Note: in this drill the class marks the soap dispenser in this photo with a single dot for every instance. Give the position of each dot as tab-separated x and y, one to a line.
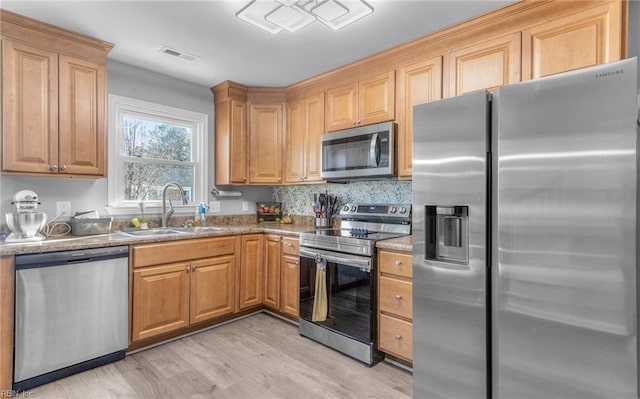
202	209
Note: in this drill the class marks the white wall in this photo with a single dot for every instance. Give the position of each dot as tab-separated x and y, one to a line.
87	194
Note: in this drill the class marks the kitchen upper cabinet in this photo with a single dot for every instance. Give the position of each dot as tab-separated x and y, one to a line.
265	143
251	271
579	40
231	141
305	126
418	83
365	102
487	64
53	100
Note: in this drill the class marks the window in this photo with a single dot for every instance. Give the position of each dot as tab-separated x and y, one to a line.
151	145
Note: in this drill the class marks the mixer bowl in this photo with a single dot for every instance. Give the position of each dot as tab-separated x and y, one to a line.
26	224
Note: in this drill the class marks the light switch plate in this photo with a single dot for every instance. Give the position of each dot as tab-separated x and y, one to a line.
63	208
214	206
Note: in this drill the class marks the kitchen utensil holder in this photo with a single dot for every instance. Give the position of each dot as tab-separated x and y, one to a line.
322	223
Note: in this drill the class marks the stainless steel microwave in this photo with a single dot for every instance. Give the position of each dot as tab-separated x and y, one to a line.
359	153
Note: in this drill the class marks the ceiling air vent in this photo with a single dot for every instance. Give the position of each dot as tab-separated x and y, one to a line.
179	54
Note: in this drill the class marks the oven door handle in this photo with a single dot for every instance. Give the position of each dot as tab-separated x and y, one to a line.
363	263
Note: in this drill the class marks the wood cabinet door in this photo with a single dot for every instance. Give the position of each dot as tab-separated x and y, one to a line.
290	283
272	272
29	109
579	40
238	142
485	65
295	143
265	138
314	129
82	136
160	300
251	280
376	99
417	83
231	142
342	107
212	288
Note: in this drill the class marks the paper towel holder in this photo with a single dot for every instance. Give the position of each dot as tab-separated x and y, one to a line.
221	193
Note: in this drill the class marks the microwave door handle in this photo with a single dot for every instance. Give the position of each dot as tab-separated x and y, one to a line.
373	151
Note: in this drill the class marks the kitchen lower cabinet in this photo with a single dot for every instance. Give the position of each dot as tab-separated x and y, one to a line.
251	290
282	275
169	296
395	304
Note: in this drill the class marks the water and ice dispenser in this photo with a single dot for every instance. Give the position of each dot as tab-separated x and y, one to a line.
447	233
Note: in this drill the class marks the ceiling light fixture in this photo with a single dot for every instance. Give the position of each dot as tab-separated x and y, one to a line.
274	16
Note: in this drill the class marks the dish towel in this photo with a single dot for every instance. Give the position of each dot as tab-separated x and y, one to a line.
320	298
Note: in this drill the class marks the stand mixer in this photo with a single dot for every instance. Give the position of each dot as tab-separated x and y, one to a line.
26	223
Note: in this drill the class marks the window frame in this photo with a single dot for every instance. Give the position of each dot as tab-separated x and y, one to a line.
119	107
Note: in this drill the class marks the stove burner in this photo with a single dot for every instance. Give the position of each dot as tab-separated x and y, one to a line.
359	233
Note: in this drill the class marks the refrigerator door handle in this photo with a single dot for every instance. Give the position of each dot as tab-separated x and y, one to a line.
446	265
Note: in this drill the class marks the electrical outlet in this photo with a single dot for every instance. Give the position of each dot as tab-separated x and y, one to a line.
214	206
63	208
245	206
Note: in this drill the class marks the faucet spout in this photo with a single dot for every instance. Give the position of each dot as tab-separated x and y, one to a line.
166	213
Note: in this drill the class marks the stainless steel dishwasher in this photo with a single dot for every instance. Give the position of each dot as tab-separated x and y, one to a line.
71	313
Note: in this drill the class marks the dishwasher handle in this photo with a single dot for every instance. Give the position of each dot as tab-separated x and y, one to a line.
47	259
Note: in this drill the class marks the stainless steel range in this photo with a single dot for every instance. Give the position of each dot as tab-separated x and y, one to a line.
337	277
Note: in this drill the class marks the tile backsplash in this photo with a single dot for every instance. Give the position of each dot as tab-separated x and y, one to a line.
297	200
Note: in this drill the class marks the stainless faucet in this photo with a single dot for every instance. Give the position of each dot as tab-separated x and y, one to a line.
166	213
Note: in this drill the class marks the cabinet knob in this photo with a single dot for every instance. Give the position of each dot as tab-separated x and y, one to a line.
301	178
398	262
187	269
244	179
398	296
63	168
279	178
289	245
194	267
53	167
353	123
398	337
276	240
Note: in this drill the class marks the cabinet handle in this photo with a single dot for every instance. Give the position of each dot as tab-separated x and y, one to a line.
398	337
398	296
63	168
398	263
53	168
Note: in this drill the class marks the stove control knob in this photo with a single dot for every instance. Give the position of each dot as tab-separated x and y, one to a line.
393	209
345	208
403	210
353	208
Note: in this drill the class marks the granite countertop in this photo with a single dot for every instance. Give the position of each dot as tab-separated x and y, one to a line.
118	238
400	244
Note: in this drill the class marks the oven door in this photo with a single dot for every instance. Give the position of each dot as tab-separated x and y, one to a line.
350	292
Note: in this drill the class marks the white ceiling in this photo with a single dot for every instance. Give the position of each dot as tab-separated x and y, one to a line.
232	49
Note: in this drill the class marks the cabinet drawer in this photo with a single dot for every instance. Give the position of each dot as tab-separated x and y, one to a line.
396	337
395	297
396	263
175	251
290	246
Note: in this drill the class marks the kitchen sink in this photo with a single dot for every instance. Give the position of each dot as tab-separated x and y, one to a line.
152	232
199	229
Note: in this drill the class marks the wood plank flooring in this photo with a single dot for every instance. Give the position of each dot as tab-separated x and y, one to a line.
259	356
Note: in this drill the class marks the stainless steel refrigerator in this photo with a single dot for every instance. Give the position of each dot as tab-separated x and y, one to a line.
525	239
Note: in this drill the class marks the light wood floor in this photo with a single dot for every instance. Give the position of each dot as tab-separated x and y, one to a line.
257	357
